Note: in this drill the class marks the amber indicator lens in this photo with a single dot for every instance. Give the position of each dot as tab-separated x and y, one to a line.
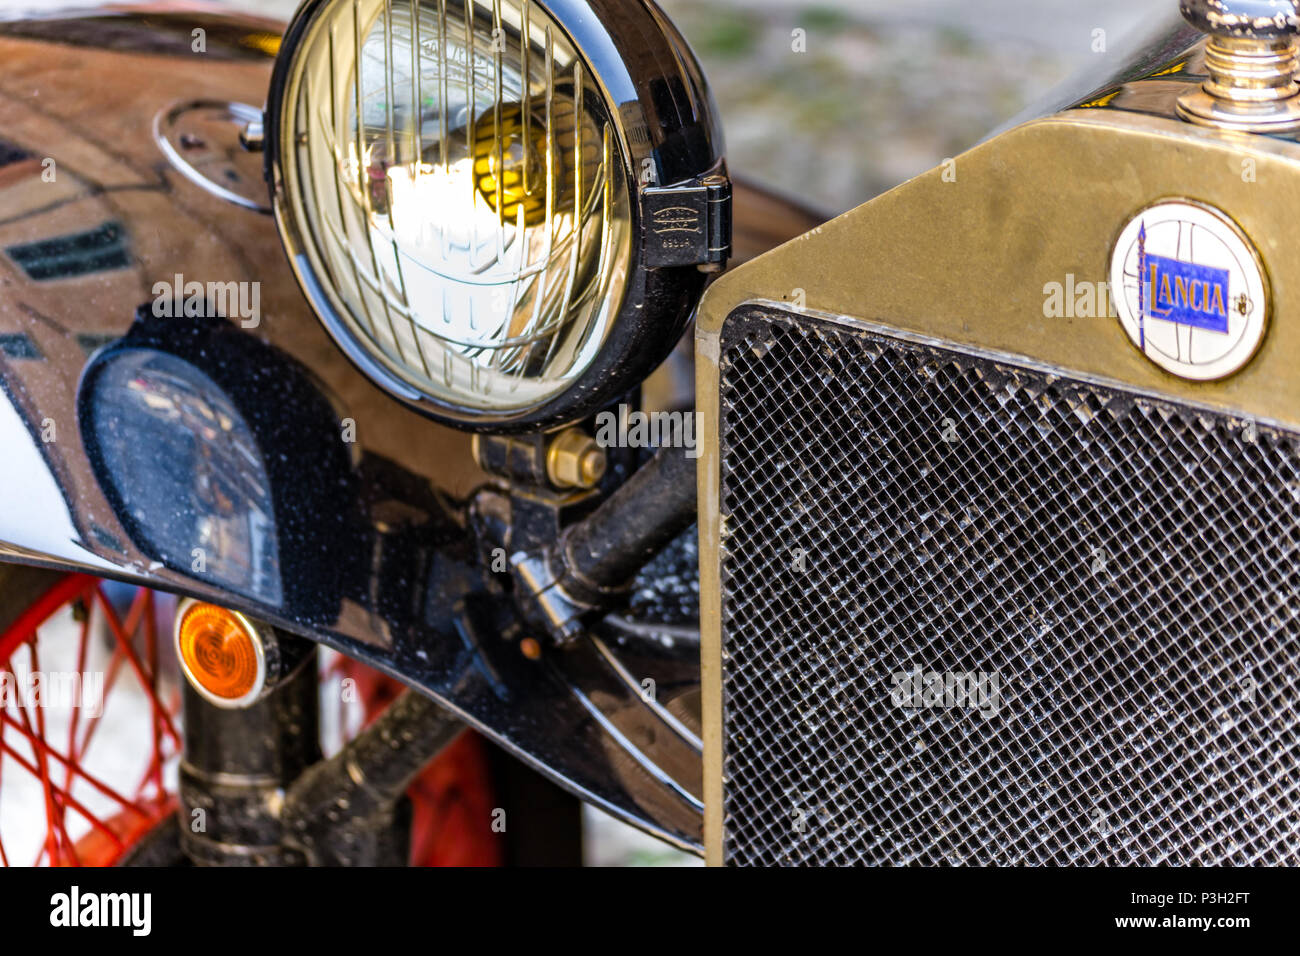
220	653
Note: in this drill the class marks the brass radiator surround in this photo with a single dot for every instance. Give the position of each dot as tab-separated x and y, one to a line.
963	260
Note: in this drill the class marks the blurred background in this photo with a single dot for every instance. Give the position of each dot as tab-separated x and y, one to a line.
880	92
885	88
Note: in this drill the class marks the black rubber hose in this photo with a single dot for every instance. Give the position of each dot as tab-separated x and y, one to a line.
605	550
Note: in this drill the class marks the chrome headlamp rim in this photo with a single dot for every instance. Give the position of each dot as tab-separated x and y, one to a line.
664	120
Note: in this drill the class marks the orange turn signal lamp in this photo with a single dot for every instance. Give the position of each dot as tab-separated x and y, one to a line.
222	653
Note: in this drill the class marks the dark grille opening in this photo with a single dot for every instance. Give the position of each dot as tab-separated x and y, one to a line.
1124	567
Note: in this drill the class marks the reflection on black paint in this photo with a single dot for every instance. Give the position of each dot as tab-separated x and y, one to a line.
188	471
65	257
17	345
225	462
11	153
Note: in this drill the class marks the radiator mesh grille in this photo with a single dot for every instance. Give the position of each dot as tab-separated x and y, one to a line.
1126	568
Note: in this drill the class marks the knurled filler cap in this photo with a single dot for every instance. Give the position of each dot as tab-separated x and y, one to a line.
1251	56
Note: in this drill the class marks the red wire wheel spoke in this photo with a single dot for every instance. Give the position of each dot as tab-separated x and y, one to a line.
97	800
99	782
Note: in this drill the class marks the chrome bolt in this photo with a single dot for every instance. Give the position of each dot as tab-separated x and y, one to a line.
253	137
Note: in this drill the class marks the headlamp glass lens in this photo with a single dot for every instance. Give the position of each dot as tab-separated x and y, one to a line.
457	182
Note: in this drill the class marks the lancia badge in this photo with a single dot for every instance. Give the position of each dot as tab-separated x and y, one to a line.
1190	289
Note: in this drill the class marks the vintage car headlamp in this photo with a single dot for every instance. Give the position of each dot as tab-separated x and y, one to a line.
468	193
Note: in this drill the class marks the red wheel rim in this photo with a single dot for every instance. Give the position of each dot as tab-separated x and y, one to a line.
93	821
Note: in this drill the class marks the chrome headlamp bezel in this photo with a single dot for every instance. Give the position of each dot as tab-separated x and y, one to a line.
665	124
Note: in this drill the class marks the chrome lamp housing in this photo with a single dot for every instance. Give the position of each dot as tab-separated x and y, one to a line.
503	211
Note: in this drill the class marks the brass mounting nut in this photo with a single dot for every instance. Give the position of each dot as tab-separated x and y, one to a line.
575	460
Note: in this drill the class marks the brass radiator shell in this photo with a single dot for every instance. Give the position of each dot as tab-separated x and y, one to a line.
962	261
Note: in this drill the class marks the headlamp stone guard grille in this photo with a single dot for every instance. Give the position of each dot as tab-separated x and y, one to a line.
629	83
1124	566
417	128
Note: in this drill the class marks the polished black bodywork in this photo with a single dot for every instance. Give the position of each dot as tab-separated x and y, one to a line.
319	503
